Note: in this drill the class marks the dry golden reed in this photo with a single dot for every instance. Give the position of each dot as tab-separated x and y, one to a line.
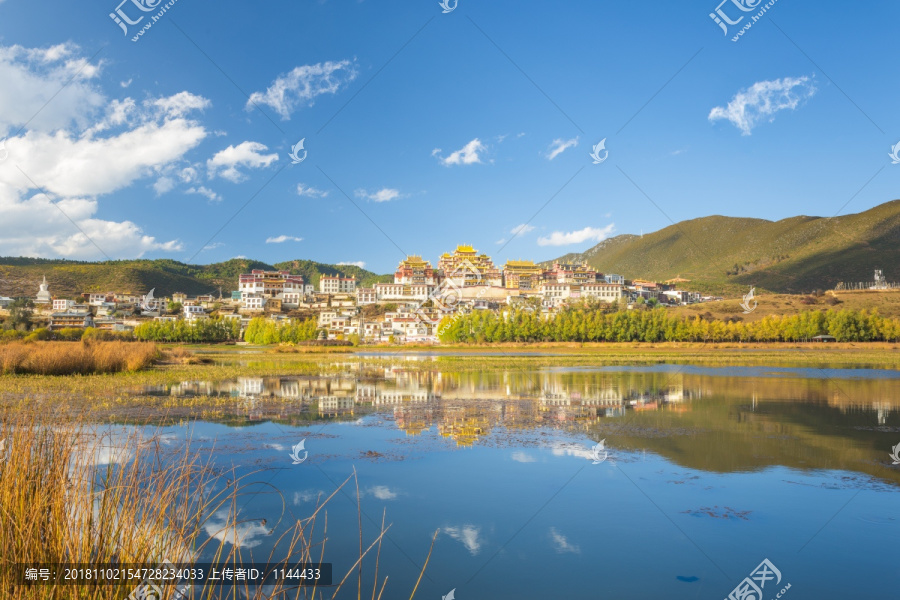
70	358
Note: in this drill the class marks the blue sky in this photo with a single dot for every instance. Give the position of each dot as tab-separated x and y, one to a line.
424	129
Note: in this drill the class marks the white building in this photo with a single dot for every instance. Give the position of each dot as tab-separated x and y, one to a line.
366	296
60	305
329	284
252	302
606	292
613	278
194	312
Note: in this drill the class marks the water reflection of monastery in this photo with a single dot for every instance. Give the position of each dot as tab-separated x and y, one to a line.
463	406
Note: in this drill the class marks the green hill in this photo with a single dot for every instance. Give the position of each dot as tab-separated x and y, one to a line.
728	254
68	278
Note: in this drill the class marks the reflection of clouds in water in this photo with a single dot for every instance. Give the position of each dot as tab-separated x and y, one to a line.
244	534
523	458
278	447
467	535
299	498
382	492
561	543
572	450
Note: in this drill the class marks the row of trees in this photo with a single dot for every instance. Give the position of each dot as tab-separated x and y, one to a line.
215	329
591	324
263	331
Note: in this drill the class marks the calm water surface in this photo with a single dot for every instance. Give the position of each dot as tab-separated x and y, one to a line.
705	473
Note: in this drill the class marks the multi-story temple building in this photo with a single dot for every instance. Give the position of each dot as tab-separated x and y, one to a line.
522	275
415	271
466	267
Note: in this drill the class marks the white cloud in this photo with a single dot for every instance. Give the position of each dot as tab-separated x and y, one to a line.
126	84
225	163
212	246
302	85
163	185
559	146
468	535
522	229
282	239
35	226
33	76
467	155
561	544
69	151
523	458
382	195
360	263
180	104
762	100
204	191
310	192
563	238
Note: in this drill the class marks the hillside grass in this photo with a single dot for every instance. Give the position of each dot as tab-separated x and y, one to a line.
727	255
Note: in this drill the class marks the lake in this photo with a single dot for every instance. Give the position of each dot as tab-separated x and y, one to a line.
703	473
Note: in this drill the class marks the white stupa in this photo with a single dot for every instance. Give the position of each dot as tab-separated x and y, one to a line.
43	296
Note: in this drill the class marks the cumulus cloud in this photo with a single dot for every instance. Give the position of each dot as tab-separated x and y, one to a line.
310	192
567	238
180	104
249	155
78	148
467	155
210	195
303	85
33	225
33	76
382	195
559	146
360	263
762	100
282	239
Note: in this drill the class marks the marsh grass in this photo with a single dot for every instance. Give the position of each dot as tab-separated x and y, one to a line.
69	494
71	358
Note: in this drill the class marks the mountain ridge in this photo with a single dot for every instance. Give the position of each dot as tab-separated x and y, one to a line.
20	276
726	254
